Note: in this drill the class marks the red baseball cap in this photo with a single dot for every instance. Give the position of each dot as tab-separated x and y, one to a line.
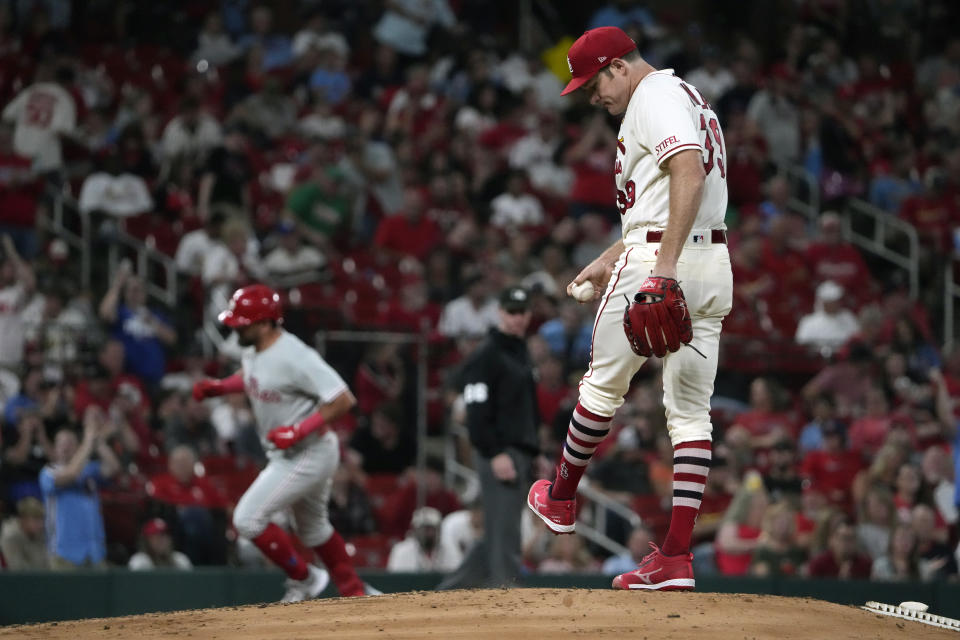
155	526
593	51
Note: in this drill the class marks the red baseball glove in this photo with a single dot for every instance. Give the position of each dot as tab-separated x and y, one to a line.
657	321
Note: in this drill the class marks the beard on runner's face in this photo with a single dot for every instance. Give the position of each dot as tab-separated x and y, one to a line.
247	336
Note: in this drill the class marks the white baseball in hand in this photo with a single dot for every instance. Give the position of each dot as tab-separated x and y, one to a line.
582	292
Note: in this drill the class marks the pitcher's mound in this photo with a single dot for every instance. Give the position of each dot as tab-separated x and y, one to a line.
504	615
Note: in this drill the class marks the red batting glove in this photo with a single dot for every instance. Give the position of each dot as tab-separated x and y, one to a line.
289	435
209	388
206	389
286	436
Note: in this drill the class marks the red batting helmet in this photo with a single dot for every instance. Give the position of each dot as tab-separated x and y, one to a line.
252	304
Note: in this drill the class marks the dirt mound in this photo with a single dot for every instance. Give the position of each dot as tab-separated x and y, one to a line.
504	615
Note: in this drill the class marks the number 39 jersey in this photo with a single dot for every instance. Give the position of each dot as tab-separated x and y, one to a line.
664	117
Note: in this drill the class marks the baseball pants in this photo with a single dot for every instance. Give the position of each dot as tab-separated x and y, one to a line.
299	479
706	278
495	560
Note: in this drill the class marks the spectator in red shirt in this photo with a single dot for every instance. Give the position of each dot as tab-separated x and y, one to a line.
410	232
181	487
552	389
868	433
505	133
93	389
933	212
813	505
414	108
411	308
745	157
841	558
832	258
194	506
784	252
404	502
740	530
446	204
765	420
847	380
590	158
832	469
106	378
754	285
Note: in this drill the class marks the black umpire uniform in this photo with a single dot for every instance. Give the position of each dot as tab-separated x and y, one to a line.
500	395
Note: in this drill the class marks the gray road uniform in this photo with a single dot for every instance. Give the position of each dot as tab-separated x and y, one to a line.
286	383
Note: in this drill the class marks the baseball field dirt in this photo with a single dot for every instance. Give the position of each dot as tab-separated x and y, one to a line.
505	615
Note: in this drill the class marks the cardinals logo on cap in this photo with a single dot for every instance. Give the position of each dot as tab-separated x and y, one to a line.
570	65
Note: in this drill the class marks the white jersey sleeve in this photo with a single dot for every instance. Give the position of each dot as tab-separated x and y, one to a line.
318	378
12	111
664	123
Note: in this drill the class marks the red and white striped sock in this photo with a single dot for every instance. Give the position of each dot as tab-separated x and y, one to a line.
691	464
586	431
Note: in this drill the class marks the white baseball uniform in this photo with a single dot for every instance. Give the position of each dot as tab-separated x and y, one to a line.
664	116
285	383
42	112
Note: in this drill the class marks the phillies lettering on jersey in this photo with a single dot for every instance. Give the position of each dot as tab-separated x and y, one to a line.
664	117
287	382
254	390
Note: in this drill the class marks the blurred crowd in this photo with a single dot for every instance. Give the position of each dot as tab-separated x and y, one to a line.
393	165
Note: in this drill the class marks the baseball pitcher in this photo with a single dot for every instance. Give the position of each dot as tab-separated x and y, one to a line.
294	394
672	196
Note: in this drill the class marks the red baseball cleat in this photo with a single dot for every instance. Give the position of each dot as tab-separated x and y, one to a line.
657	572
559	515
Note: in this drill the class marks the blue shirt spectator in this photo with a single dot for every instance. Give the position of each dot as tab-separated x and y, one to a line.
638	545
13	408
143	332
889	191
406	24
811	438
74	524
334	84
26	399
277	48
615	565
568	336
145	356
234	14
621	14
69	484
